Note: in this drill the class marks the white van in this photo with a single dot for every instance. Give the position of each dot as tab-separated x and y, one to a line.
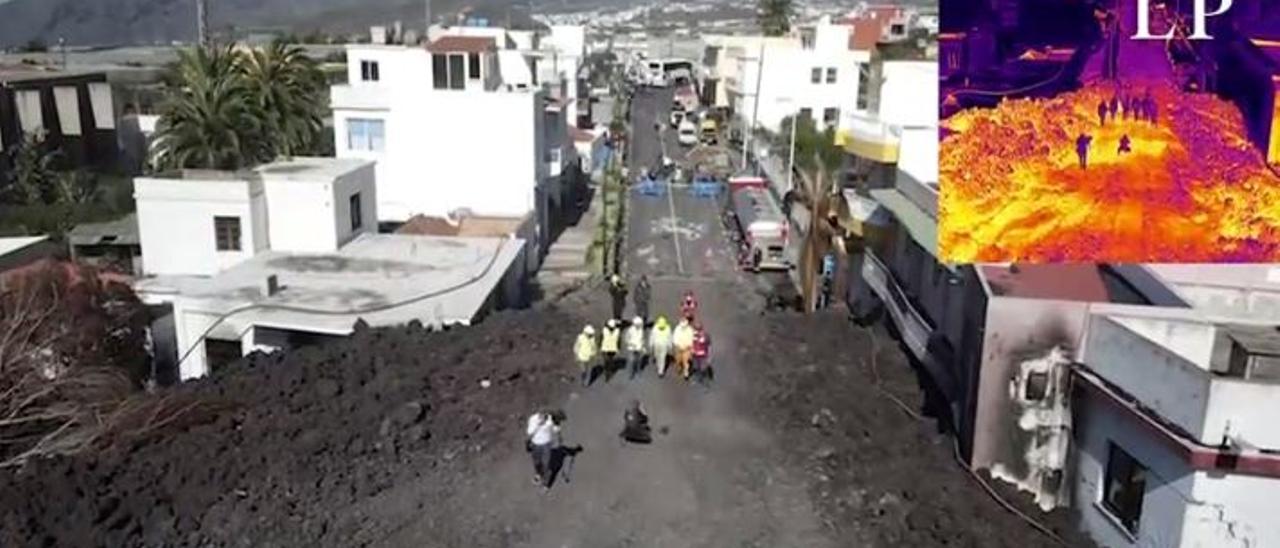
687	135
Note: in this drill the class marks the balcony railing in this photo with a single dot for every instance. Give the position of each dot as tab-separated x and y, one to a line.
913	327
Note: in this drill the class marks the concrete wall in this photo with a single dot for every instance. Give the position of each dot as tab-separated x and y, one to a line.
1131	362
1231	511
313	215
1169	481
360	182
175	224
1246	409
1017	331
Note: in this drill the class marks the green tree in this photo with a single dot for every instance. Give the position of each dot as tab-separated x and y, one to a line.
289	90
775	16
814	149
230	109
209	120
32	179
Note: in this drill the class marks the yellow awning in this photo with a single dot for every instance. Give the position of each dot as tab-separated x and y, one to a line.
880	151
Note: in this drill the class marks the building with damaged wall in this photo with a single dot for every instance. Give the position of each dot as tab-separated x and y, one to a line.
1174	428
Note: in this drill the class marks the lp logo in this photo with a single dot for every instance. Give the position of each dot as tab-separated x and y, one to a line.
1201	15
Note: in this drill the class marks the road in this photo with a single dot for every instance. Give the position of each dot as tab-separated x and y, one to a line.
712	476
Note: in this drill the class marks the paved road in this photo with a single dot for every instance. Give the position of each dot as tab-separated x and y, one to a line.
711	477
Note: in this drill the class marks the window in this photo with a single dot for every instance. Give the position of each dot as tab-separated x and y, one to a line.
831	75
226	233
1125	485
440	72
806	114
357	220
830	116
366	134
457	74
473	66
1036	386
369	71
897	29
864	86
816	76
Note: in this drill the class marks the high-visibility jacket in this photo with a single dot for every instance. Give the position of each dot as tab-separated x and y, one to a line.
585	347
683	337
660	338
634	339
609	340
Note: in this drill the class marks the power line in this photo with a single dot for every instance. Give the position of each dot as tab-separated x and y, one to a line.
360	311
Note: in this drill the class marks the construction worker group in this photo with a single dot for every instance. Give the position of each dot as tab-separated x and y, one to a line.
643	341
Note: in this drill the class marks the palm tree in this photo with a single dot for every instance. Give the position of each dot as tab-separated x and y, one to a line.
288	88
818	159
775	16
209	120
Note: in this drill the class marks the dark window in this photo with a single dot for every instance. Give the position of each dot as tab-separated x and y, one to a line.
1037	386
226	231
1126	484
830	116
897	29
806	114
864	86
440	71
816	75
457	72
356	220
831	75
369	71
219	353
473	65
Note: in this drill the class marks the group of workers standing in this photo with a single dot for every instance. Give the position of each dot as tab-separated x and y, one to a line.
1121	106
686	343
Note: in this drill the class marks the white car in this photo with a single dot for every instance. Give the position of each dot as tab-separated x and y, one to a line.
687	135
677	117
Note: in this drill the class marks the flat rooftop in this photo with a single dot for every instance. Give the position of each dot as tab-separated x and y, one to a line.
1229	276
12	244
294	169
385	279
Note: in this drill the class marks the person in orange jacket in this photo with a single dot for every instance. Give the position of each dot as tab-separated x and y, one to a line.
701	354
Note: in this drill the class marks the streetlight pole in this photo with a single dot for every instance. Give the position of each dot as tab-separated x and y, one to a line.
791	157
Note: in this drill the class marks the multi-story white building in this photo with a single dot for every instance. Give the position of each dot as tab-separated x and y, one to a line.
816	72
897	136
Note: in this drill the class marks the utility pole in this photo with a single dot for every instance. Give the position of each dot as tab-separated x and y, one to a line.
427	28
755	107
202	23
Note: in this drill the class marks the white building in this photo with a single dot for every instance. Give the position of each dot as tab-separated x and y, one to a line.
288	254
898	134
815	73
458	125
1176	441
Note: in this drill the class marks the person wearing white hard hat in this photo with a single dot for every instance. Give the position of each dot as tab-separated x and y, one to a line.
584	351
610	337
633	342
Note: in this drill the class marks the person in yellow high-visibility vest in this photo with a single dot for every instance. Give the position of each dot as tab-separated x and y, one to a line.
584	351
610	338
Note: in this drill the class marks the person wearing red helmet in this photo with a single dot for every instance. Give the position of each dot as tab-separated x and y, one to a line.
689	306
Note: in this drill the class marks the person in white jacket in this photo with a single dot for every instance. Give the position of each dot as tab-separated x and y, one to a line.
633	343
542	439
660	344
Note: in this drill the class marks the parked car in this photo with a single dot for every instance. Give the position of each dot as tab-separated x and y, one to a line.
709	132
688	133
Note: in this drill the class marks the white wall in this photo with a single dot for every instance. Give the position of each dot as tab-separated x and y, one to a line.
1247	409
360	182
1134	363
1169	481
311	214
448	149
175	224
1232	511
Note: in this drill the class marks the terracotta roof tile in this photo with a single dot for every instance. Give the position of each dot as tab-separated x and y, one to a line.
462	44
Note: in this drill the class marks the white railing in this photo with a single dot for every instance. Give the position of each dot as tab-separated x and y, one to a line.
869	127
914	329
